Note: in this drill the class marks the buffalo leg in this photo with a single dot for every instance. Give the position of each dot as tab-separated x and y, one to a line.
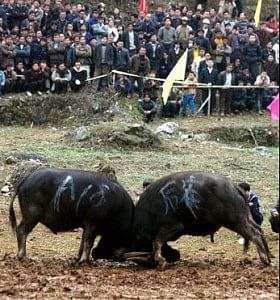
81	246
258	228
22	232
253	234
166	234
88	238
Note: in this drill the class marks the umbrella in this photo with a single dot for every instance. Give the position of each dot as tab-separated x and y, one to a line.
273	107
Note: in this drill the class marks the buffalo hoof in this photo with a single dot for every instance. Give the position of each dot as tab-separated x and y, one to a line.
171	255
162	266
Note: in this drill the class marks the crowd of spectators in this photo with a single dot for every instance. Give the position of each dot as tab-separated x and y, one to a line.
55	47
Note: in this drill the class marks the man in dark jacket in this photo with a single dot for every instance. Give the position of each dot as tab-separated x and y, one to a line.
140	65
121	61
78	77
209	76
227	79
103	60
253	202
274	217
69	53
154	52
253	56
56	51
19	14
34	80
22	52
147	108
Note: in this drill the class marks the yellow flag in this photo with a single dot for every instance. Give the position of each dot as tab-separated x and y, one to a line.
258	12
177	73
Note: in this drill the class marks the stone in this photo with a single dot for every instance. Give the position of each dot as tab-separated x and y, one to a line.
201	137
80	134
170	128
134	135
10	160
5	189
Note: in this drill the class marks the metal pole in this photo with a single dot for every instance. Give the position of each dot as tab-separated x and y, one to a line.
209	102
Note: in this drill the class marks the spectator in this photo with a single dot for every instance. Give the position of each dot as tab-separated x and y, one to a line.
151	87
78	77
61	78
56	51
252	55
239	99
262	81
272	69
112	30
197	61
154	52
19	13
100	29
189	94
165	66
226	79
253	202
2	82
171	108
46	76
11	77
176	53
8	51
183	31
121	60
34	80
140	65
147	108
167	35
131	40
69	53
84	55
103	60
62	22
209	76
201	41
23	52
274	217
123	86
20	74
148	27
268	51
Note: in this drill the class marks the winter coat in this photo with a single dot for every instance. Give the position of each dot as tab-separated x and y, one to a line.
135	65
252	53
109	55
84	54
8	55
23	54
56	53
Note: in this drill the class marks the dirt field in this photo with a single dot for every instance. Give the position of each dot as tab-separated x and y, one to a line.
206	271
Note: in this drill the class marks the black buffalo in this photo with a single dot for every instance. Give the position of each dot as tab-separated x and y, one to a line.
192	203
64	199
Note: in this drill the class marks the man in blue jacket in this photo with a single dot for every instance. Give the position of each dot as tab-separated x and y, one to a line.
253	202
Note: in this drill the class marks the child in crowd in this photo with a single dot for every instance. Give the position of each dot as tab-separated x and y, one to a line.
189	94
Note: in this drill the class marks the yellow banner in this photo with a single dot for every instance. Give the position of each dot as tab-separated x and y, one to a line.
258	12
177	73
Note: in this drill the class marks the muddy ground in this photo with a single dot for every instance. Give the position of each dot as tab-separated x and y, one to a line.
206	271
